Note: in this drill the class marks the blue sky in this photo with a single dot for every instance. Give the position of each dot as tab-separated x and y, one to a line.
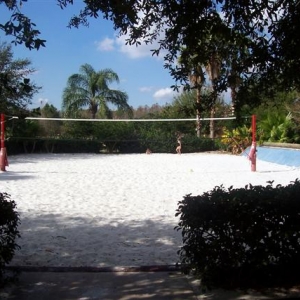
142	76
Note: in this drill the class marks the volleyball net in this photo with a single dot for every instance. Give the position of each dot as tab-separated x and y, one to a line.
127	120
73	135
38	134
113	130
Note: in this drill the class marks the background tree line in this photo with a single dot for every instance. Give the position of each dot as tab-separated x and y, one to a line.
25	135
87	94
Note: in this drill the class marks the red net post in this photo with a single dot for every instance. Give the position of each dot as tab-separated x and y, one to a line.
253	146
3	155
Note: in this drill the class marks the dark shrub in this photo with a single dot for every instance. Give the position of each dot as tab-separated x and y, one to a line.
242	237
192	143
9	221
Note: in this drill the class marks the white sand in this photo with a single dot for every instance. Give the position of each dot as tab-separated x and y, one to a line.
115	210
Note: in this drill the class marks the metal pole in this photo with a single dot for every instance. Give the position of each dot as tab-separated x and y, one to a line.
2	130
3	158
253	147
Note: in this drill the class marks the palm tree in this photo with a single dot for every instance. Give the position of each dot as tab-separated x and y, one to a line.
196	78
91	88
213	69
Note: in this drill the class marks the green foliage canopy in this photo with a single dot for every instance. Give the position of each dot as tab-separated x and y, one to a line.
16	89
267	29
20	26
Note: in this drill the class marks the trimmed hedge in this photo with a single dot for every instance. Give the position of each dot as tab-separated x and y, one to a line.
242	237
164	143
9	221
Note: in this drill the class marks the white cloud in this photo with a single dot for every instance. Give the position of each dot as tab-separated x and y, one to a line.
142	50
106	44
133	51
119	43
164	94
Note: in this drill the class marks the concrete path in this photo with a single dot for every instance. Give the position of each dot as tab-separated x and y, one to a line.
100	285
162	285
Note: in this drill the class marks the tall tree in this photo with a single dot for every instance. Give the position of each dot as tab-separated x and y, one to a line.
196	75
16	89
91	89
197	80
213	69
174	24
210	49
285	43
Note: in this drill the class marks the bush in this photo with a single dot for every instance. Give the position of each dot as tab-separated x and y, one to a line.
242	237
9	221
237	140
192	143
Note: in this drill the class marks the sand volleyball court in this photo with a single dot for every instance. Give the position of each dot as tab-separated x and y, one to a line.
88	210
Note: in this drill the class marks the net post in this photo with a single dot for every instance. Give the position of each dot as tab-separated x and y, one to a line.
3	154
252	154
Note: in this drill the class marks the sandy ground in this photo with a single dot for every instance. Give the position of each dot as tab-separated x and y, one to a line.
115	210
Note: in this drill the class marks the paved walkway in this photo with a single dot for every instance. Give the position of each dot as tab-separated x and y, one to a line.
161	285
100	285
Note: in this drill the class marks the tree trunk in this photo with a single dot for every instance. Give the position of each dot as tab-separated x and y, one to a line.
93	109
212	113
197	79
212	123
233	100
198	116
213	69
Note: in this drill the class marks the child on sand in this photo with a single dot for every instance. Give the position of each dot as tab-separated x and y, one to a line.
178	148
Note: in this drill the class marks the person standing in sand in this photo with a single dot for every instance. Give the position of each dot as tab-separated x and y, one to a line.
178	148
148	151
179	136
